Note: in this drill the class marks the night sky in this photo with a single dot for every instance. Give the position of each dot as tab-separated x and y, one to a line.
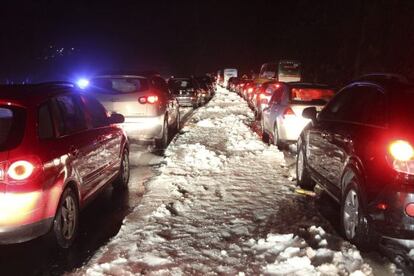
335	40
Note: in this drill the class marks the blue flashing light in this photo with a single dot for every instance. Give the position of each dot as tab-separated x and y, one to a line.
83	83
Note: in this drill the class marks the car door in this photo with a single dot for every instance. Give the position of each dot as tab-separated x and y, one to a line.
363	118
81	144
321	152
171	103
109	137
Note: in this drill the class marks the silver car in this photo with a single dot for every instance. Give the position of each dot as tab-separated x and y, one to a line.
282	120
185	91
150	110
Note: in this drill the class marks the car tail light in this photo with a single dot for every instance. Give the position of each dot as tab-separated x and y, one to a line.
403	156
262	96
409	209
20	170
288	113
250	90
148	99
2	170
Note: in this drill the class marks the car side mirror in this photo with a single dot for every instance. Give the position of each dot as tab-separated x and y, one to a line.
116	118
310	113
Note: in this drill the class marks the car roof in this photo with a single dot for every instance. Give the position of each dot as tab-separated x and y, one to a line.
32	94
306	84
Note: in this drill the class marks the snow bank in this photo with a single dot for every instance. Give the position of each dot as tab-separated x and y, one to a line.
223	203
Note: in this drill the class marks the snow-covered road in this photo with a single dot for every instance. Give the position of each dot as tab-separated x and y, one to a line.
224	203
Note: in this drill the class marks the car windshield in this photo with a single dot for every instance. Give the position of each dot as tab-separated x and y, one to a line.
119	85
11	126
311	95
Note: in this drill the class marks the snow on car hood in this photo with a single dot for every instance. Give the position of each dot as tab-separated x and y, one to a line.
224	202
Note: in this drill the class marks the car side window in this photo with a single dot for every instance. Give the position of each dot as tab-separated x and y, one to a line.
67	114
95	113
362	104
45	124
336	109
369	107
277	95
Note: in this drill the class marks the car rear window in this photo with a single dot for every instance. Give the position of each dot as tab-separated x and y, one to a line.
119	85
311	95
12	125
177	85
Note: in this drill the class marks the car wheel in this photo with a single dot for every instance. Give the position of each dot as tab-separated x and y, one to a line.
123	178
178	123
354	223
65	224
276	140
303	179
265	136
163	141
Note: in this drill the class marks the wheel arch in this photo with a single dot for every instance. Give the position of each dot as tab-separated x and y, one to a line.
354	167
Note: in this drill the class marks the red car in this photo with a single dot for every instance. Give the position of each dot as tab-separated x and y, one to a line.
58	149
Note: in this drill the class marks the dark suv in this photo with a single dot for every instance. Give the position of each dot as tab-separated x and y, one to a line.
58	149
360	149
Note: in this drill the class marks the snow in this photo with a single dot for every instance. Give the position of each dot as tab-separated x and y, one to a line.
223	203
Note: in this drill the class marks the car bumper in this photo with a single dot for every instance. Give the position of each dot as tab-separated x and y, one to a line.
17	234
393	222
291	127
188	102
144	128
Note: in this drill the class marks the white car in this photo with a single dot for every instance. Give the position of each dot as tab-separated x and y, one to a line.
282	120
151	112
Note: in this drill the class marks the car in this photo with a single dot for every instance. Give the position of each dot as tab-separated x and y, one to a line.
184	91
360	150
240	85
151	111
207	83
59	149
248	88
282	120
231	83
263	96
203	91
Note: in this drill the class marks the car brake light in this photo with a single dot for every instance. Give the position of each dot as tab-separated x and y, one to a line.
409	209
262	96
401	150
20	170
152	99
1	172
148	99
250	90
288	112
403	154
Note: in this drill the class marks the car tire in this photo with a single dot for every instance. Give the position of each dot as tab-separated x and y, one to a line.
66	221
265	136
178	123
276	140
303	178
122	180
162	143
354	224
